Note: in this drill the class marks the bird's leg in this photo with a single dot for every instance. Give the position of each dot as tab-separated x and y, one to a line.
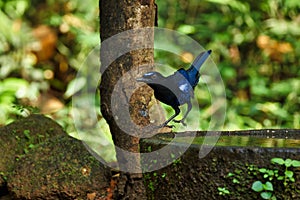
189	108
165	124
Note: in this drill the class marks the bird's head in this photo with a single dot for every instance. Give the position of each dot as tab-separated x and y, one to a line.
150	77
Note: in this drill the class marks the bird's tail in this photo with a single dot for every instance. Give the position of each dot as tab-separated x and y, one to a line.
193	71
200	59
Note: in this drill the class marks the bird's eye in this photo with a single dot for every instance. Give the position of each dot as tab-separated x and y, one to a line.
154	76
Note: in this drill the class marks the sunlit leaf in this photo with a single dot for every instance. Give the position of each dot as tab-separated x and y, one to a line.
187	29
279	161
75	86
257	186
296	163
268	186
266	195
289	173
288	162
280	27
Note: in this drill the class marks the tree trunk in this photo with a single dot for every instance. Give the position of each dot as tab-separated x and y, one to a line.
118	88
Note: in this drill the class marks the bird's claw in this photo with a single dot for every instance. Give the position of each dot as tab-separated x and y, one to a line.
166	125
180	121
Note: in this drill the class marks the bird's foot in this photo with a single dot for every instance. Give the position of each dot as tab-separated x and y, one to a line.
165	125
180	121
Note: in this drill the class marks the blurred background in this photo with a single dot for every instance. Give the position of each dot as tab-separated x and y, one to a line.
256	46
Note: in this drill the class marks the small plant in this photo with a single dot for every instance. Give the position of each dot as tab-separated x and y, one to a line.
265	189
2	174
252	169
151	184
30	141
288	174
149	148
24	110
234	178
176	161
223	191
269	173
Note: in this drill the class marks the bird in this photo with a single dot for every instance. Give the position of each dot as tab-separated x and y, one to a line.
177	89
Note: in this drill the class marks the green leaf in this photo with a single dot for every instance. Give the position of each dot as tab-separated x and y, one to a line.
14	84
295	163
244	8
26	150
282	27
235	181
280	178
292	179
186	29
262	170
257	186
282	88
273	198
223	190
289	173
75	86
27	134
266	195
230	174
268	186
271	172
279	161
288	162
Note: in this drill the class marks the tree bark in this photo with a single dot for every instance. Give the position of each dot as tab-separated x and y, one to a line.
117	16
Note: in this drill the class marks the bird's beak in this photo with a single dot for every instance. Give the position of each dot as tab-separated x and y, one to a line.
141	79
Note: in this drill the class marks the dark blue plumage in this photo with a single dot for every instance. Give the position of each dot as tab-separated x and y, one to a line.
178	88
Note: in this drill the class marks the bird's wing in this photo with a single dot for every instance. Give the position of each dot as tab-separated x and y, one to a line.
182	86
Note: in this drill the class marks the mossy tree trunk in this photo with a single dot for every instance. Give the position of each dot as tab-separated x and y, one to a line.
117	16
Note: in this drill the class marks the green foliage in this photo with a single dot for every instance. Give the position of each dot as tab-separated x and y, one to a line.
265	189
152	180
268	182
288	174
76	26
262	84
223	191
268	173
255	46
30	141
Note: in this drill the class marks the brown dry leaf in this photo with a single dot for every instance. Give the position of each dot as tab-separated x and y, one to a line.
273	48
91	196
47	103
234	54
47	38
187	57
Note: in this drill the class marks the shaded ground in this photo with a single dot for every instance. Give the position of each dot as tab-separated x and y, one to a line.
233	169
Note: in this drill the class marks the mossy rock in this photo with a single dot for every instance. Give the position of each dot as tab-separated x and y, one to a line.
19	137
60	168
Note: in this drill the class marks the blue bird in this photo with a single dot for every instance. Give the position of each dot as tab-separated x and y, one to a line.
176	89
